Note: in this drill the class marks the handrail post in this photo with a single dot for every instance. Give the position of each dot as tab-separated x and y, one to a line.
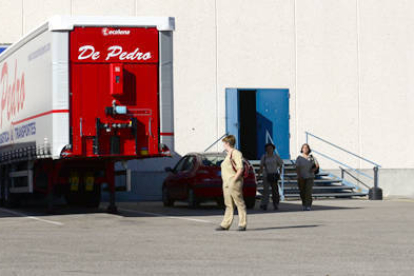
375	193
375	177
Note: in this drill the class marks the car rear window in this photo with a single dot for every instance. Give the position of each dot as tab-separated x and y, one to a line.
212	161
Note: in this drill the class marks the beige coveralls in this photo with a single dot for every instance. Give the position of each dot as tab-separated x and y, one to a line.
233	191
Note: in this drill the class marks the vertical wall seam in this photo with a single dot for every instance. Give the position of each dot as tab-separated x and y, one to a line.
296	79
217	68
358	82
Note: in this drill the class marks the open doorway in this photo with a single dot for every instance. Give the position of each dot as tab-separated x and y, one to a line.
248	124
257	117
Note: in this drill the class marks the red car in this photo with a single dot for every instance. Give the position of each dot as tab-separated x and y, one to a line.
197	178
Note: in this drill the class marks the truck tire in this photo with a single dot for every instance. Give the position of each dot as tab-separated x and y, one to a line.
8	199
2	184
93	199
166	200
72	199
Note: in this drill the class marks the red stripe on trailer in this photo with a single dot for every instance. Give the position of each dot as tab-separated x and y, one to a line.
41	115
167	133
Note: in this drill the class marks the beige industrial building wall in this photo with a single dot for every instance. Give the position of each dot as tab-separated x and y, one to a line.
349	66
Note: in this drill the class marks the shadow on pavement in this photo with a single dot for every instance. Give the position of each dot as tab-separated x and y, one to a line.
156	209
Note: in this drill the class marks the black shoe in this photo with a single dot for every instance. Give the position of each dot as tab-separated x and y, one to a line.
263	207
276	207
241	228
221	229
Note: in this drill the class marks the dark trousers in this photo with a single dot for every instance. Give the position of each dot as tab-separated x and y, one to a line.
275	192
305	190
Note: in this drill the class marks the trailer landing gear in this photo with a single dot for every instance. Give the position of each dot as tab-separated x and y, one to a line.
110	170
52	178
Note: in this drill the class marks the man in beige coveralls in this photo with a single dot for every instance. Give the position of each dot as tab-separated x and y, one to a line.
231	173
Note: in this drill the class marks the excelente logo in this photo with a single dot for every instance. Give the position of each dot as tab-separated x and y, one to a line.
107	31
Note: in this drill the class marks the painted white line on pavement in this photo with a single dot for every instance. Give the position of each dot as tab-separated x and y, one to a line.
30	217
165	216
404	200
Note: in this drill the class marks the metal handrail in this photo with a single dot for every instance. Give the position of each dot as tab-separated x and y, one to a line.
338	147
376	165
343	164
343	171
215	142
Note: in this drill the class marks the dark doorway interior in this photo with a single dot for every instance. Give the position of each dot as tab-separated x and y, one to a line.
247	121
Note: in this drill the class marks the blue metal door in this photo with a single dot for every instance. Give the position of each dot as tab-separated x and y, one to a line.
232	113
272	113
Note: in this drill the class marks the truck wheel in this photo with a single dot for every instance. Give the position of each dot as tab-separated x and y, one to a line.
166	200
250	202
93	199
2	186
10	200
192	199
72	199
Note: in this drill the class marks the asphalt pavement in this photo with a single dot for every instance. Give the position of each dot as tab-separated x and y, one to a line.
339	237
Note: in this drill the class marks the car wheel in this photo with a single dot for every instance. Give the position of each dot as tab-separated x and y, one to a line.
192	200
166	200
250	202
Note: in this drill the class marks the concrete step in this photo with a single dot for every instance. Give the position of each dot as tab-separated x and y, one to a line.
336	188
333	187
324	186
317	182
329	195
294	175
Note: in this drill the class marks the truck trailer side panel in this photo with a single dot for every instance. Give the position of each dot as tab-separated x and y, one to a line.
27	99
78	94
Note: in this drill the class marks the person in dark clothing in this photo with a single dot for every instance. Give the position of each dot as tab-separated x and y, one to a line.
270	168
306	166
